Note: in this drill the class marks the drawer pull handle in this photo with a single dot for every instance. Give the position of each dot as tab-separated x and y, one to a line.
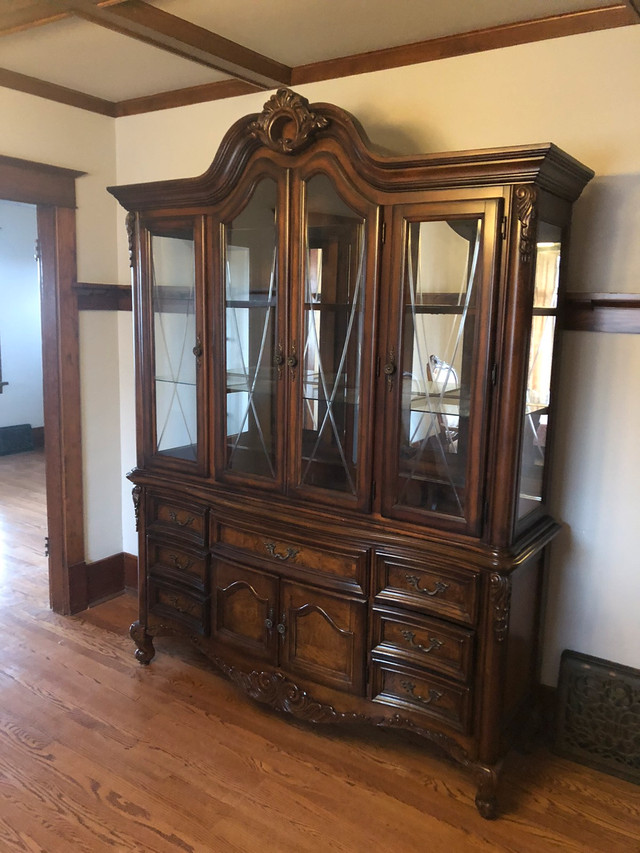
173	516
434	642
434	695
439	587
289	554
184	565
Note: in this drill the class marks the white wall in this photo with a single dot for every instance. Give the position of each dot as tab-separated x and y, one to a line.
581	93
39	130
20	331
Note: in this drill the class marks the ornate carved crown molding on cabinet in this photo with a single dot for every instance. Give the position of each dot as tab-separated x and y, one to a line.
345	370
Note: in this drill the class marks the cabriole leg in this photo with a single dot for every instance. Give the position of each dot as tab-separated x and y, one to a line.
486	794
145	650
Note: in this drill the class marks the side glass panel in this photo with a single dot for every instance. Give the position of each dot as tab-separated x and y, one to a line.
334	270
543	327
250	252
174	334
442	268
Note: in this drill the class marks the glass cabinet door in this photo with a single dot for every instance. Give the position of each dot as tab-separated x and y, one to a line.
541	350
435	372
254	349
329	327
175	338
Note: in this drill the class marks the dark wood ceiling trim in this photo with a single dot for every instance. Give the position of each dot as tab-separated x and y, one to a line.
37	183
473	42
185	97
153	26
602	312
38	13
634	6
53	92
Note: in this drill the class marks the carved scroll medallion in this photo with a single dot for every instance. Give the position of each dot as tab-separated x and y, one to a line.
526	198
286	123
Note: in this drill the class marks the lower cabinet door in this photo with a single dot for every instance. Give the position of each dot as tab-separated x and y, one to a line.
245	609
322	636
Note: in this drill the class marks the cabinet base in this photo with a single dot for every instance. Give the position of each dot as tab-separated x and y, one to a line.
273	688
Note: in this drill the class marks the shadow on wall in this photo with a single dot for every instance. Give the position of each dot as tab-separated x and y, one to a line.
604	256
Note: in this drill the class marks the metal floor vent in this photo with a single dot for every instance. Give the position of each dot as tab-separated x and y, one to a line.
598	719
15	439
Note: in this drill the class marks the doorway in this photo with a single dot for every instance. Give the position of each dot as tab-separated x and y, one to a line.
52	190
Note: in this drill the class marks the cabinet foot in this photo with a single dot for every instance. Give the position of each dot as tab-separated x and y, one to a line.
145	651
486	793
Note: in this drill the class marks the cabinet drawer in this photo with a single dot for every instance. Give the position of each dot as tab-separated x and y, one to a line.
179	518
178	562
168	600
446	592
412	690
419	641
348	567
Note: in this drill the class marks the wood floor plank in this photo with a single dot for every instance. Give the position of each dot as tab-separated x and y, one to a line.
100	754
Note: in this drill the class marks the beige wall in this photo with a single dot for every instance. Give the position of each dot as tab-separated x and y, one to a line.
581	93
39	130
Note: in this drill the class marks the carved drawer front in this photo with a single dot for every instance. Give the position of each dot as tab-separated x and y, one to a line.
420	641
246	610
178	563
170	601
412	690
446	592
346	568
323	637
179	518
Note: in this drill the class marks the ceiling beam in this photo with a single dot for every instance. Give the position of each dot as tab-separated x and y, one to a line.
153	26
634	5
476	41
40	12
53	92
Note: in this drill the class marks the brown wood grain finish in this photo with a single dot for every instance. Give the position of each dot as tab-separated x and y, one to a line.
348	596
81	773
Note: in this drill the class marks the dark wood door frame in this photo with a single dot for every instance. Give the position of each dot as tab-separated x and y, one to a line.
52	189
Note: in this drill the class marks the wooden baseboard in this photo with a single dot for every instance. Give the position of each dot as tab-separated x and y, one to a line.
38	437
130	572
91	583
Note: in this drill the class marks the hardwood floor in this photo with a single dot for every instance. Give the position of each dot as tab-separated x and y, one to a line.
100	754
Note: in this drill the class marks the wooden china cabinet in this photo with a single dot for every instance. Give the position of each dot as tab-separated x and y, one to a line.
344	377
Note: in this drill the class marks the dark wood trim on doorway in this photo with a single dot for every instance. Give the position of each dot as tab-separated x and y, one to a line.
52	189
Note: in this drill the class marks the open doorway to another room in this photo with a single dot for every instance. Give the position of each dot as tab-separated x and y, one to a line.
23	503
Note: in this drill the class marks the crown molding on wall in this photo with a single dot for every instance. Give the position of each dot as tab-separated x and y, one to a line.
53	92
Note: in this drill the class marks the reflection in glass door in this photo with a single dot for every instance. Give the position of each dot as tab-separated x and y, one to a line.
334	273
253	359
442	267
541	346
175	338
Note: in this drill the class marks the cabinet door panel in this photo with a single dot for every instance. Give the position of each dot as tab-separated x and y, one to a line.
330	343
324	636
245	607
253	341
173	263
437	368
